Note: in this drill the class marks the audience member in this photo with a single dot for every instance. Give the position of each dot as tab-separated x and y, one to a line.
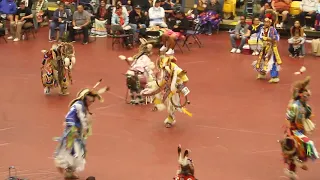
281	7
239	33
138	21
9	8
2	29
124	9
176	31
167	6
120	23
102	13
81	21
144	4
60	18
157	15
308	8
214	14
253	30
39	10
264	4
265	7
102	18
129	6
201	6
296	42
214	5
177	6
23	19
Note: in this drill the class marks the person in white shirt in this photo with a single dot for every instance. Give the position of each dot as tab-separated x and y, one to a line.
308	8
157	15
124	9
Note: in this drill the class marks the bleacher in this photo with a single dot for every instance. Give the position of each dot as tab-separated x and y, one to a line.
230	8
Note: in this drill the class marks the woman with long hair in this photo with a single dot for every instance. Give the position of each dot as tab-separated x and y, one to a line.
296	42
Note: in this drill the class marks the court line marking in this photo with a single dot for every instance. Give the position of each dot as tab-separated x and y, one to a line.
193	62
266	151
236	130
4	144
5	129
109	106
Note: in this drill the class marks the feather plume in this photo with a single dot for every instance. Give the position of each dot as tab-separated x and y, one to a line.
44	51
122	57
102	90
300	86
130	59
97	84
301	71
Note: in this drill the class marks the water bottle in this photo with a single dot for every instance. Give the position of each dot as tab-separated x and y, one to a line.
23	37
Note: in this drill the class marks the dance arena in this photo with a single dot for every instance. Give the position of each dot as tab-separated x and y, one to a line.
232	134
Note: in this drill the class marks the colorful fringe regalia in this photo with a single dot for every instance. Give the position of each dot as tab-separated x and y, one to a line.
70	155
56	67
269	59
186	166
169	89
212	17
297	148
140	71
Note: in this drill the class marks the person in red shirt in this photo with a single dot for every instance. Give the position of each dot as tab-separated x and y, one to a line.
281	7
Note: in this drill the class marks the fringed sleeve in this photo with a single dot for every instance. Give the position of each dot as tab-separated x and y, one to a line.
291	112
82	116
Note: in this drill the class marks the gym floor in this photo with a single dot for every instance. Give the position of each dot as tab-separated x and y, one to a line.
233	133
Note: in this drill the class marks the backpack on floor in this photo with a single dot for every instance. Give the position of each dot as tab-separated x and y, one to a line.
316	47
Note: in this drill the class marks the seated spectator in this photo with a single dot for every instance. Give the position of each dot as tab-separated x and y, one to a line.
240	32
317	23
138	21
308	8
253	30
102	13
101	20
2	29
157	15
81	21
124	9
281	7
265	4
60	18
9	8
296	42
23	19
128	6
212	16
265	9
169	37
39	11
201	6
144	4
177	6
167	6
120	23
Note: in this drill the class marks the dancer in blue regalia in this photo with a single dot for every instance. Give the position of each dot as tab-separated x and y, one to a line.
70	156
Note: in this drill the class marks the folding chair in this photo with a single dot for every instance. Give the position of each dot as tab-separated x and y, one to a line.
194	32
27	31
179	46
79	31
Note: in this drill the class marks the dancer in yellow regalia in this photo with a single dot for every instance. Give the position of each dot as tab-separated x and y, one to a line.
169	88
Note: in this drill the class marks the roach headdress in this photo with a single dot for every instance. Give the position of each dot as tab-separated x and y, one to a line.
90	92
300	87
